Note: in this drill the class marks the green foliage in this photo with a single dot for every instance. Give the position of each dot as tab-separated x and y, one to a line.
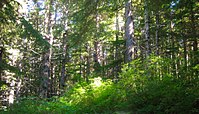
149	92
29	30
98	96
32	105
166	83
8	11
162	96
137	92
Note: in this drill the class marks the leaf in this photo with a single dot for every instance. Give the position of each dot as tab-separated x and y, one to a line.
34	33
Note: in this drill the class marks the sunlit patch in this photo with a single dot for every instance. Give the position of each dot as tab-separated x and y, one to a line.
14	54
97	82
23	6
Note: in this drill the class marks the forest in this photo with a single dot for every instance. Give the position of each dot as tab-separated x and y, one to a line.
99	57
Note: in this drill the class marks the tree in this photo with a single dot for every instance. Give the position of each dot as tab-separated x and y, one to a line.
61	43
129	32
147	27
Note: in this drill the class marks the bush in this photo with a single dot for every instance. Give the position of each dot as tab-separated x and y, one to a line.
33	105
140	90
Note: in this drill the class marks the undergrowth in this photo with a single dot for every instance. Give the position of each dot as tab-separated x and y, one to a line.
139	90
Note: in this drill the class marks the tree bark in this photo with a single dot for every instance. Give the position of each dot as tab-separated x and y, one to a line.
64	61
88	71
194	35
47	55
65	47
147	27
117	46
157	33
96	55
129	32
1	60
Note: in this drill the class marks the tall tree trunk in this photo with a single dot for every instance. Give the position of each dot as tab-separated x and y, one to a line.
80	62
1	60
157	32
64	61
53	63
185	52
117	46
103	61
47	55
129	32
97	43
147	35
88	61
194	36
65	47
173	55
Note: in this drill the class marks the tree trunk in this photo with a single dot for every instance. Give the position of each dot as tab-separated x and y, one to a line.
173	55
65	48
63	69
47	55
88	61
64	61
147	35
80	63
129	32
157	33
117	46
194	36
96	55
1	60
185	52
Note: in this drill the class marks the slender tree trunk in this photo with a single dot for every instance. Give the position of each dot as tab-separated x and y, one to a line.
96	44
53	63
88	61
65	48
193	24
64	61
116	47
103	61
157	33
63	73
185	52
129	32
1	60
80	62
195	59
173	57
194	36
147	35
